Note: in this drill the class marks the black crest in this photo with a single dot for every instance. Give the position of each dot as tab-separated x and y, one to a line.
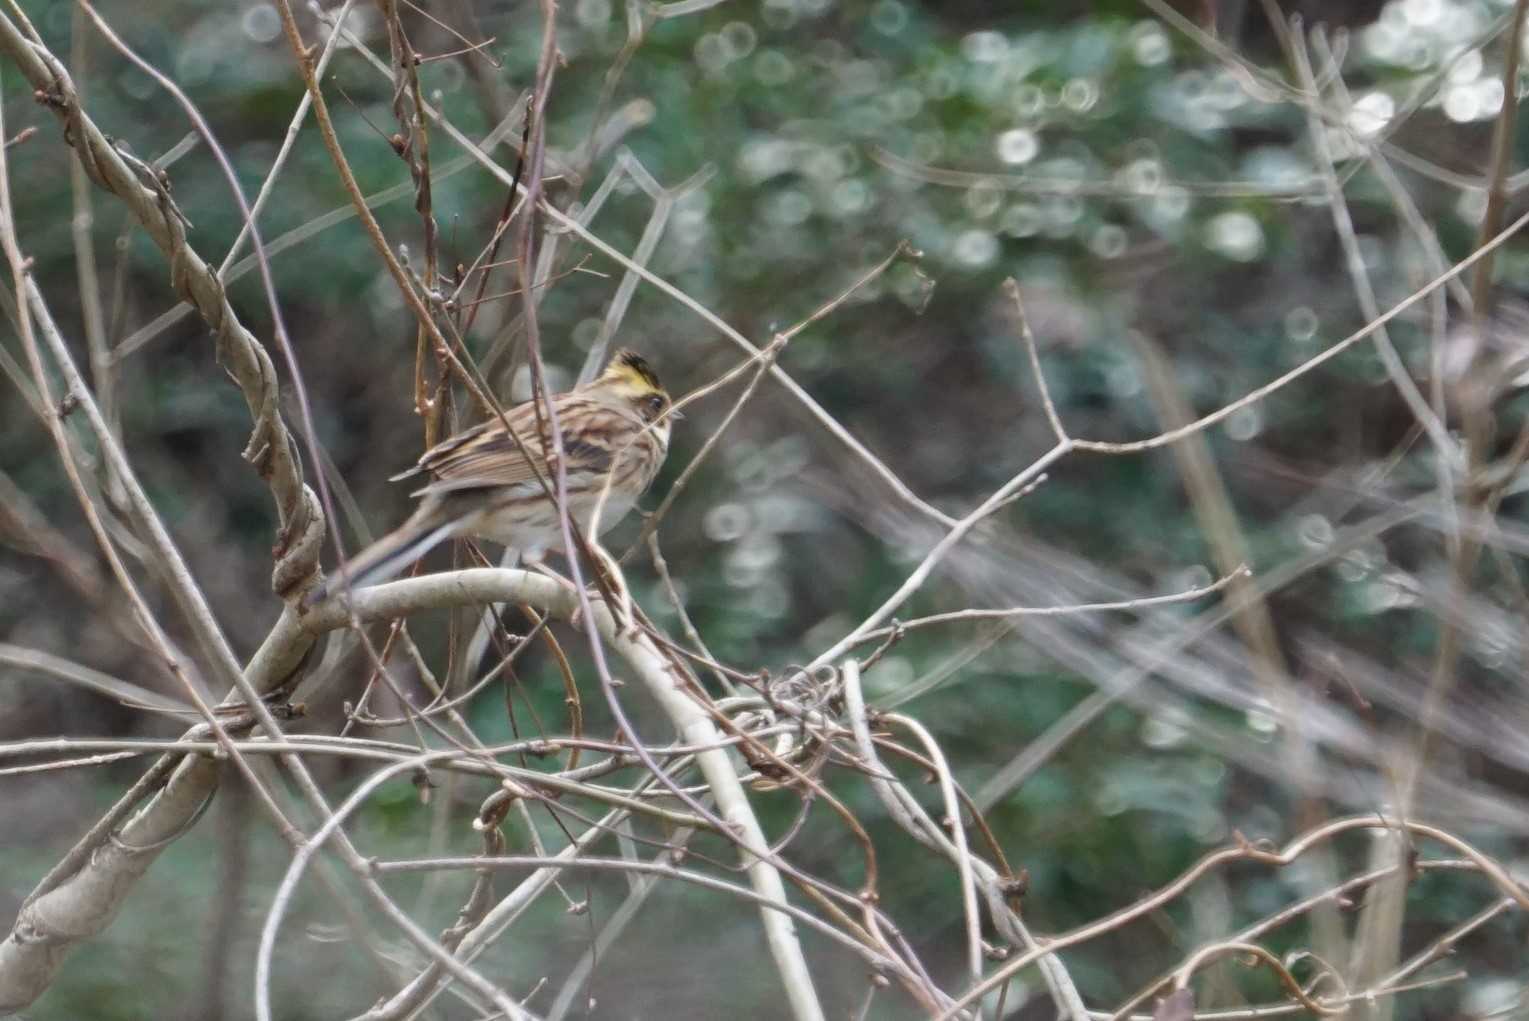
629	363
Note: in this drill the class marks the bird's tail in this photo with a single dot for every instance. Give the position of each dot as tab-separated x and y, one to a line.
388	555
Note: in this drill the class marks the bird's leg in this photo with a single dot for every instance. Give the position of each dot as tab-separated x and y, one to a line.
621	613
626	621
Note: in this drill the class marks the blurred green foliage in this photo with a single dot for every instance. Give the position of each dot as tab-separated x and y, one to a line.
1089	134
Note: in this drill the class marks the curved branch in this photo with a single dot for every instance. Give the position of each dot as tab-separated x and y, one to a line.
690	719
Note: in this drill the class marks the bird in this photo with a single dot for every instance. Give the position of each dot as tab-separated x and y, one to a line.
485	483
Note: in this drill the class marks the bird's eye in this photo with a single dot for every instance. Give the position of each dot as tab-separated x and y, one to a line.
655	404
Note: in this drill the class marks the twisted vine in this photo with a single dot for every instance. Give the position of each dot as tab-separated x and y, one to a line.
146	192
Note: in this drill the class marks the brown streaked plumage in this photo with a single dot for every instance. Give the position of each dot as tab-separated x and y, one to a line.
615	433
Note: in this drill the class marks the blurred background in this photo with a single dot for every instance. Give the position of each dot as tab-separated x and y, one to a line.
1148	176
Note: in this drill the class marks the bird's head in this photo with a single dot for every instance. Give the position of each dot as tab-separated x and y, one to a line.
630	380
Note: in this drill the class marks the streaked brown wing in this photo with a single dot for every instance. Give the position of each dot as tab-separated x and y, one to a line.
489	459
447	447
486	456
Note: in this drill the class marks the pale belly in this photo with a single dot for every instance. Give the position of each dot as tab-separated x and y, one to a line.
536	529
